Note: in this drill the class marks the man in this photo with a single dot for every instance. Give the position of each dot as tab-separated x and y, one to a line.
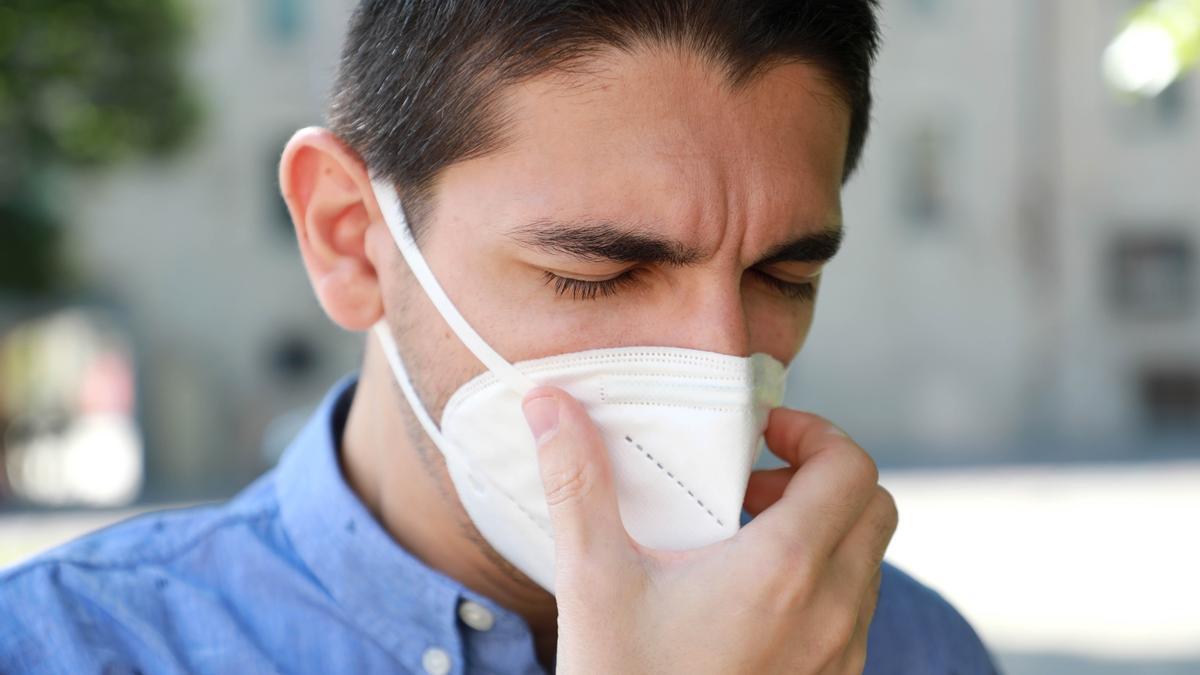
580	178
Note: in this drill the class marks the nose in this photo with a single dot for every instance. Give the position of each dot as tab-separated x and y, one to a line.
710	317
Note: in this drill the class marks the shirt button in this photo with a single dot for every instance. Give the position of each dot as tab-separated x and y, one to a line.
435	661
476	616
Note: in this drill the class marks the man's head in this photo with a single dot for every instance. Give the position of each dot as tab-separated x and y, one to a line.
584	174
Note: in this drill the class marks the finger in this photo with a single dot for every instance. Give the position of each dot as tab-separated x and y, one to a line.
765	488
822	501
795	436
854	659
861	553
576	476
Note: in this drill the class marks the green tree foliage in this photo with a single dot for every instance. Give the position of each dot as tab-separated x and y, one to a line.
83	84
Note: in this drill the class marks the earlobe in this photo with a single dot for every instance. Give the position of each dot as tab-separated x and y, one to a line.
327	190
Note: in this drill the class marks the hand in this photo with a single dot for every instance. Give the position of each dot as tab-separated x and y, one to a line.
794	591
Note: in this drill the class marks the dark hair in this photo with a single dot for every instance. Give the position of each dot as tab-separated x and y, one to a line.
417	85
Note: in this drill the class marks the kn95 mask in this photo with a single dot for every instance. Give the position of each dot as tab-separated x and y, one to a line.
682	427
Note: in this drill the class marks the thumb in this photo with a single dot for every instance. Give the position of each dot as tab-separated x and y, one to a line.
576	476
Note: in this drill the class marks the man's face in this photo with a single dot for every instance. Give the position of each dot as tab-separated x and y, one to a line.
644	203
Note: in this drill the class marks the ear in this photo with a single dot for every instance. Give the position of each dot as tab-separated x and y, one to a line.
328	193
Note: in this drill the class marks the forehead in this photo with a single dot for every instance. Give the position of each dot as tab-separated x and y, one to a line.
662	136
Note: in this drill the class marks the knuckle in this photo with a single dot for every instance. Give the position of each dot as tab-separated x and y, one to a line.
800	577
830	637
881	518
839	630
853	463
568	485
861	466
889	515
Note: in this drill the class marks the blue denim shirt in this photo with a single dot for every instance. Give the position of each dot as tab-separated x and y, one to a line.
294	575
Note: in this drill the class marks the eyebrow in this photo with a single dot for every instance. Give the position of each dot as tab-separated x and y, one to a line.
603	240
817	247
610	241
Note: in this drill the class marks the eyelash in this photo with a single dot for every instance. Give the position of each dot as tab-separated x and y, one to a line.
589	290
804	291
579	289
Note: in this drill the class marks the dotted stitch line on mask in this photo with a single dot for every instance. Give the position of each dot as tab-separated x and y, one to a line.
643	357
686	406
718	383
688	387
670	475
606	399
727	375
727	362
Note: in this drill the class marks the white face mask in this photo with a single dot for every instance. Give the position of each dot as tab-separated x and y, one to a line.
682	427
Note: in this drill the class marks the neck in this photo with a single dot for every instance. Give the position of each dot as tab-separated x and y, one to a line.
401	477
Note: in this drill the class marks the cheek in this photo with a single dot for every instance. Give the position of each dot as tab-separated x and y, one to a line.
436	359
509	305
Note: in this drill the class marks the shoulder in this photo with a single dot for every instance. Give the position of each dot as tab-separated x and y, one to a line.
916	631
156	538
116	596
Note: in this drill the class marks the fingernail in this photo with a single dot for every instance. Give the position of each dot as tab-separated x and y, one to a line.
542	415
837	431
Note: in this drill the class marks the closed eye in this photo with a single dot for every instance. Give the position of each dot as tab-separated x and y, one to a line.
805	291
581	289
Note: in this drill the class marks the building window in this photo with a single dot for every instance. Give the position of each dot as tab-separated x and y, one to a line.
1170	396
923	175
1153	275
284	20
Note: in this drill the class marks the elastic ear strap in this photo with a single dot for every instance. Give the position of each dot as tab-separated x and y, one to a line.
393	215
384	334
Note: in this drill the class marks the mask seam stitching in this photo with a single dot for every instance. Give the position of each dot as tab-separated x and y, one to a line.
717	386
493	486
488	379
728	374
678	482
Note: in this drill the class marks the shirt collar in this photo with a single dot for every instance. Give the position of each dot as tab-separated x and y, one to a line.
401	603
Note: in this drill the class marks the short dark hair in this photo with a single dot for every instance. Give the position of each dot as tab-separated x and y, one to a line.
416	89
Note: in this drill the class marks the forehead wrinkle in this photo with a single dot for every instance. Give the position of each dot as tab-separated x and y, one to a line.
712	178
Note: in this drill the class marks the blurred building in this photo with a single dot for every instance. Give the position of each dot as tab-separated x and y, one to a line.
1021	277
1128	247
199	254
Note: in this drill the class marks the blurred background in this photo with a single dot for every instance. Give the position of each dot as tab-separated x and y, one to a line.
1013	328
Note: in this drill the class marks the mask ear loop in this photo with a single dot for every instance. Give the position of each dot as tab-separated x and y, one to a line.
384	335
393	215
